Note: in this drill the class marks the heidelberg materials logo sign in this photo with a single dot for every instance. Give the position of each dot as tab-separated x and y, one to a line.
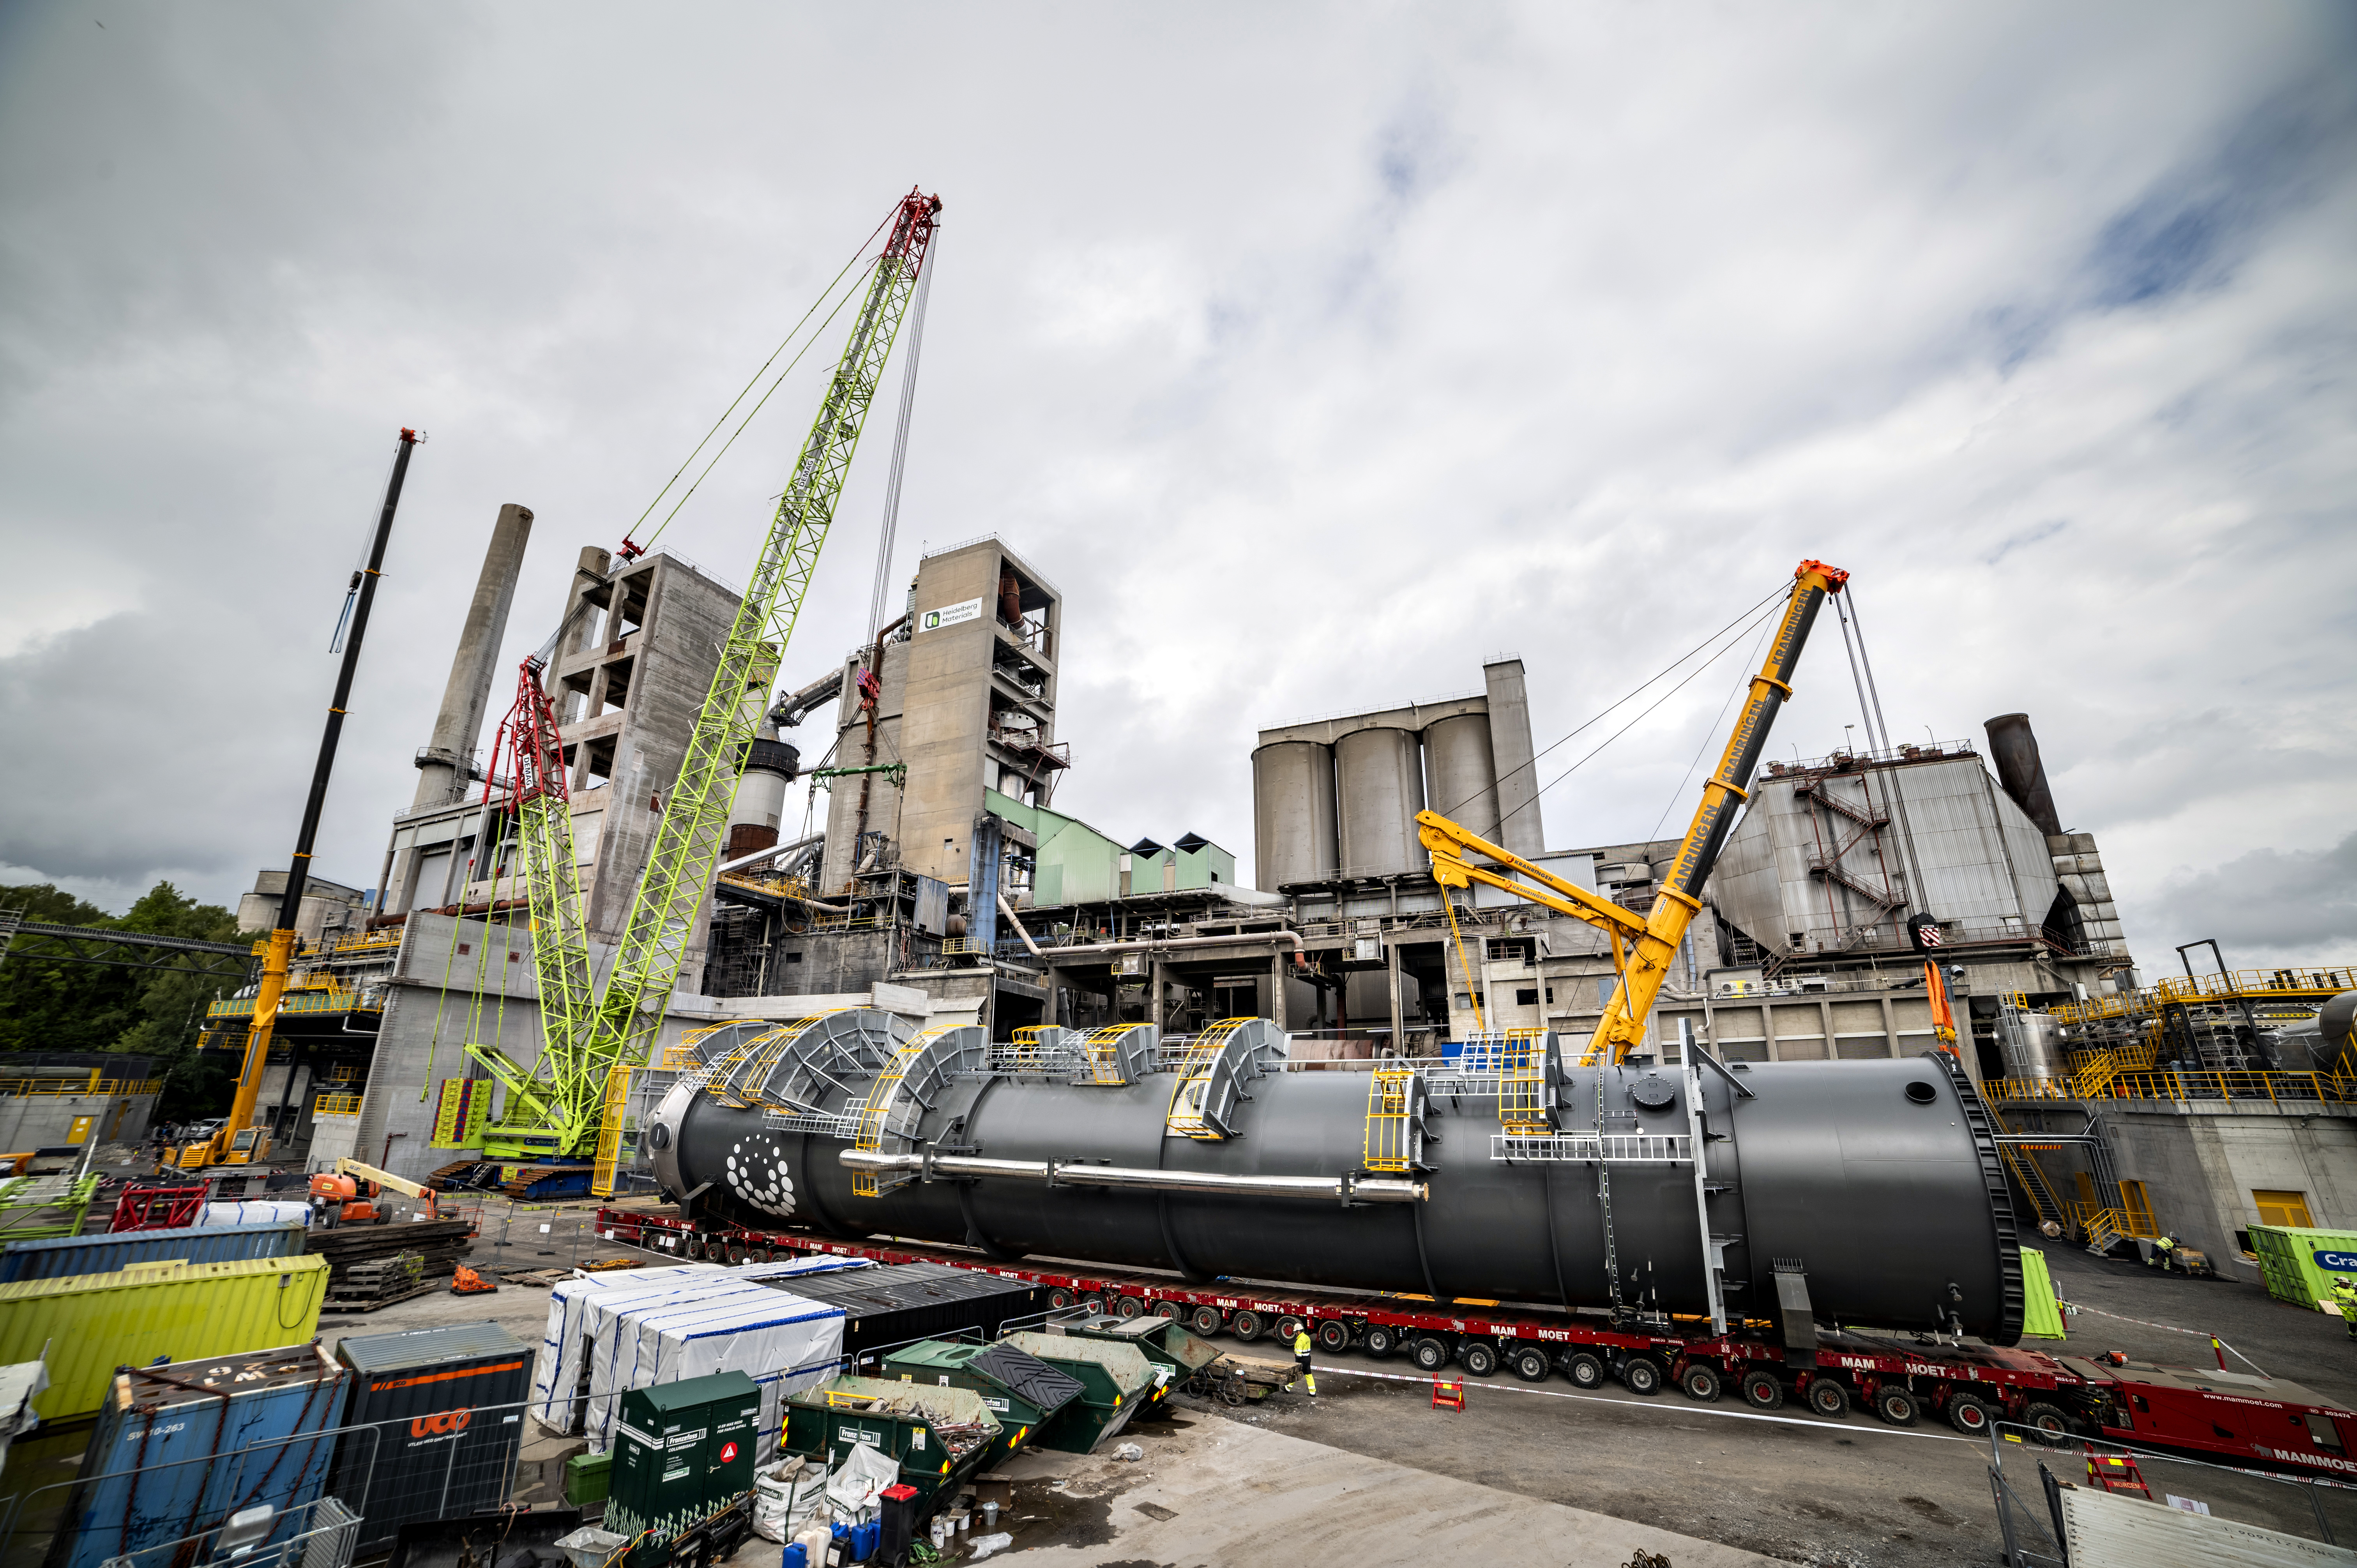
949	615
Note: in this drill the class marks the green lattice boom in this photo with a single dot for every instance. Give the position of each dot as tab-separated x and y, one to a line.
625	1020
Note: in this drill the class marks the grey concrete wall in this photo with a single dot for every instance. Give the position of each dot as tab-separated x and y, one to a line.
30	1122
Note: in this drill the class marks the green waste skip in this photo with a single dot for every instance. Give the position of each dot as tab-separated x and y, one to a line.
1024	1392
2299	1266
683	1451
938	1435
2042	1314
1164	1341
87	1325
1117	1383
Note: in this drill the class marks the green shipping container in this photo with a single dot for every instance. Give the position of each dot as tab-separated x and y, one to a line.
2042	1314
87	1325
2299	1266
683	1451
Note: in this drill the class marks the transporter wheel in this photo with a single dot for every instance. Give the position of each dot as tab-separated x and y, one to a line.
1168	1309
2048	1421
1092	1301
1382	1340
736	1255
1641	1375
1429	1353
1058	1298
1129	1305
1206	1321
1701	1383
1480	1358
1288	1326
1761	1391
759	1255
1247	1325
1896	1405
1968	1414
1584	1370
1333	1334
1529	1363
1828	1398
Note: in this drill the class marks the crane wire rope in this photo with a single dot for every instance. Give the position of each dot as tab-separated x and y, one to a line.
1765	611
1870	708
689	493
821	299
891	525
1601	714
1718	728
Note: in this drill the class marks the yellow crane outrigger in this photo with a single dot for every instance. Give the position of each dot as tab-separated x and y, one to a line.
1643	945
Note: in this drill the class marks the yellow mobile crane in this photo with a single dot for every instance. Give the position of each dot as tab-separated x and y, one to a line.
238	1143
1643	945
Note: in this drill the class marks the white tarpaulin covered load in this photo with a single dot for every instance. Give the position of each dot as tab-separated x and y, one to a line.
657	1325
560	1372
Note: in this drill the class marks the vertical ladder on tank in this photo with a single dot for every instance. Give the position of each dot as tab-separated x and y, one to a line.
1525	1081
1388	1096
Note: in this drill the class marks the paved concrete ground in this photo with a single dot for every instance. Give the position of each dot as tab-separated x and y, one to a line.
1223	1492
1531	1472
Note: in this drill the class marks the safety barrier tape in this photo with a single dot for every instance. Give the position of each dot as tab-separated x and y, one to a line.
2169	1327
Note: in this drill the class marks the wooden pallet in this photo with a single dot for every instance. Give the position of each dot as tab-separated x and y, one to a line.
343	1305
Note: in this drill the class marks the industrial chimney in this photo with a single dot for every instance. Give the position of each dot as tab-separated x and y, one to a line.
2014	747
446	764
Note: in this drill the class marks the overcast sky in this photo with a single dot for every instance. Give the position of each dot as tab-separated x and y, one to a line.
1317	353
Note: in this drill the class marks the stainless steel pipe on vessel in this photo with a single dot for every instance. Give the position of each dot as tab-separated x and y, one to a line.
1877	1181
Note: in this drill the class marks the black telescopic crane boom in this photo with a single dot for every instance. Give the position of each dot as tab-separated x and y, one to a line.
298	877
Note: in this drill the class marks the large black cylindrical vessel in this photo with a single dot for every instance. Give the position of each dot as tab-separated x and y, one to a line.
1877	1182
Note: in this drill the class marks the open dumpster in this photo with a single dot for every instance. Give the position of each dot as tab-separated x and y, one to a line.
1023	1391
939	1436
1116	1382
1164	1341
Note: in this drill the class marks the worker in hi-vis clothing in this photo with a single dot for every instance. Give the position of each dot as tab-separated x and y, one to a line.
2344	1296
1301	1358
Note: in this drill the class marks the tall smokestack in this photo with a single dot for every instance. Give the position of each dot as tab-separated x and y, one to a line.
444	767
2019	769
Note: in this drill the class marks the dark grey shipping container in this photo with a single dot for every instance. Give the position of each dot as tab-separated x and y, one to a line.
446	1410
898	1304
59	1257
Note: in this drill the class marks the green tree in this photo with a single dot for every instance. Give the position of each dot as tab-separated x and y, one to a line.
48	1005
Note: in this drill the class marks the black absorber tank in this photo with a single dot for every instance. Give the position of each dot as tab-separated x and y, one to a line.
1877	1182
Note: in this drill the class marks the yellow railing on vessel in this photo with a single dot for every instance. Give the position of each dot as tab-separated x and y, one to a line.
93	1084
2294	1087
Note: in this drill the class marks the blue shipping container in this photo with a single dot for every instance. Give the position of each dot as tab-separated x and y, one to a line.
177	1449
61	1256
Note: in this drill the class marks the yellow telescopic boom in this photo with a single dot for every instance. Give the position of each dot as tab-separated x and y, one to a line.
1642	947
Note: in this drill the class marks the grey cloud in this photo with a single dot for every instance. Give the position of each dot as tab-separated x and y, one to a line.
1315	360
2265	906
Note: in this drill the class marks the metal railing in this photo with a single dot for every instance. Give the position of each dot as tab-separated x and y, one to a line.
2281	1088
333	1001
2308	984
1616	1148
93	1084
337	1105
